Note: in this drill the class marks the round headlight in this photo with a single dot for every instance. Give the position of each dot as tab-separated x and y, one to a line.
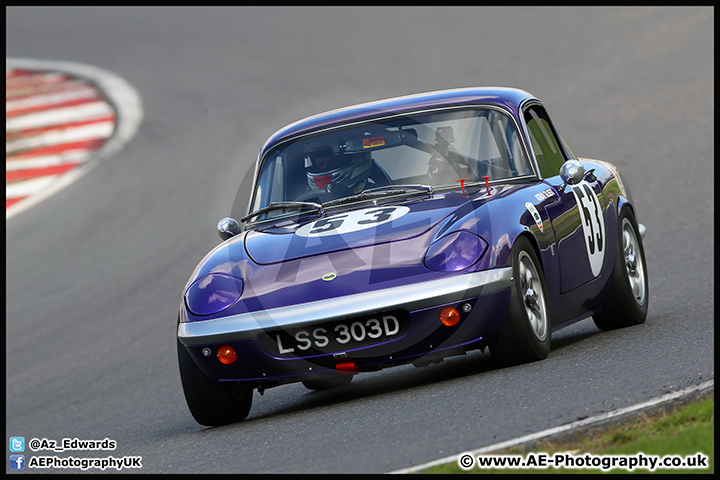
454	252
213	293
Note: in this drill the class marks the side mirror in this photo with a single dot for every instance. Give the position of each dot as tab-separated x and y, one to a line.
571	172
228	227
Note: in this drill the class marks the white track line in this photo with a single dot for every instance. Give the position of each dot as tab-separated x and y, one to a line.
123	97
564	428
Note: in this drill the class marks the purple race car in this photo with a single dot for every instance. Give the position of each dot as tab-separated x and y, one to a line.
406	231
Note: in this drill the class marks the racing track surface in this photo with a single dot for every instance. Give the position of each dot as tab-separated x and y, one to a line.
94	274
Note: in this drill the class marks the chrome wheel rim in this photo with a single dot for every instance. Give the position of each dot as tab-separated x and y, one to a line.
634	267
533	297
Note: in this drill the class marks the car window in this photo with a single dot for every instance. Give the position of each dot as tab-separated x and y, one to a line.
550	156
436	149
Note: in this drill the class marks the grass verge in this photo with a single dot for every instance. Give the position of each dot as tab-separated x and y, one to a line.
677	434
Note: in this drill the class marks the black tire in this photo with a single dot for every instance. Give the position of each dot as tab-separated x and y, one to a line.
525	334
212	403
328	382
627	301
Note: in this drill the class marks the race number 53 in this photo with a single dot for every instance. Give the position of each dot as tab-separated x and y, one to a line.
352	221
593	224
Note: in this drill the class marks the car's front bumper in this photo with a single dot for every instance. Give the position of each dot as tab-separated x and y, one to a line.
410	297
487	292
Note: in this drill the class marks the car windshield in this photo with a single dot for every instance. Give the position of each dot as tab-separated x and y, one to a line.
430	149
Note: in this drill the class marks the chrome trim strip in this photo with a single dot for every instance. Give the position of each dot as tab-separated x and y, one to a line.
411	297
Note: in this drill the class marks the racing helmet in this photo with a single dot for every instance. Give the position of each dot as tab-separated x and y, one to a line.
348	170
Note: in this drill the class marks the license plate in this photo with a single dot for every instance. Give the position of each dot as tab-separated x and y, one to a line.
336	336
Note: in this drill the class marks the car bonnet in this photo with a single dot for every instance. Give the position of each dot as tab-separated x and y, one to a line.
350	228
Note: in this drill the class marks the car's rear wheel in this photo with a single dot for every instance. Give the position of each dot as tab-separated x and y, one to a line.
627	300
328	382
212	403
525	334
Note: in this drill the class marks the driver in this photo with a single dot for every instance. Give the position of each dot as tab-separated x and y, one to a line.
344	173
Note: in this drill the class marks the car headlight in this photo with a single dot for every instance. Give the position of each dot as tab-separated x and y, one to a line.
455	251
213	293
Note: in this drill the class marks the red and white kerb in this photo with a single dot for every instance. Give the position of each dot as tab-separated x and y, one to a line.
53	124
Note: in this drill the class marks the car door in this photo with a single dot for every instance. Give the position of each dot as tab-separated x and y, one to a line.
576	216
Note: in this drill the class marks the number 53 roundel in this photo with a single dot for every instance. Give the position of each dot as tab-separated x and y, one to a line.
352	221
592	223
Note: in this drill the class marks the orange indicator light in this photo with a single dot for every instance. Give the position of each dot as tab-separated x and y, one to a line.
226	354
449	316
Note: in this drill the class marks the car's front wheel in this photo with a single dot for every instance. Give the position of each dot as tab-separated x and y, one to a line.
212	403
627	300
525	334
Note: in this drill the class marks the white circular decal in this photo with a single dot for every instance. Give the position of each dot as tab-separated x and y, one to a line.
351	221
593	224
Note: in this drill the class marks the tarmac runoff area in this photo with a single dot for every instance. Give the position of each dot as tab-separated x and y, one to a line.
61	118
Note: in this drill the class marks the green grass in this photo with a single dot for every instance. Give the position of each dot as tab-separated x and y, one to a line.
683	431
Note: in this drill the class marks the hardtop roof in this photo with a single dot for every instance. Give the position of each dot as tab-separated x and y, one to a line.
510	98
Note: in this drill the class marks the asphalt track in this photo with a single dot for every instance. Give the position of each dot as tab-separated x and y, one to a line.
94	273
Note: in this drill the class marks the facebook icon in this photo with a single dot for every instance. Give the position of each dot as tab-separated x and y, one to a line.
17	462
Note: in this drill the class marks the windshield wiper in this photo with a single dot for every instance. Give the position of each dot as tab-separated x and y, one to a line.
424	188
284	206
380	191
